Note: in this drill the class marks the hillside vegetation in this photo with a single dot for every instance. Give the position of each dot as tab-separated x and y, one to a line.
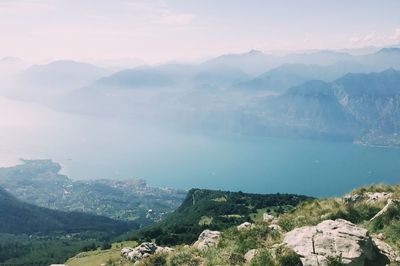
216	210
234	245
32	235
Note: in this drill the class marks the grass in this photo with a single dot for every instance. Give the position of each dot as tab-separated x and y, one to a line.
235	243
258	216
98	257
315	211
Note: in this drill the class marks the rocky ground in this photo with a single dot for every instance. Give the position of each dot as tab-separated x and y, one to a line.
361	228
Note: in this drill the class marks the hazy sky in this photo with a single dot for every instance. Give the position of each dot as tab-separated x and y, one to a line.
162	30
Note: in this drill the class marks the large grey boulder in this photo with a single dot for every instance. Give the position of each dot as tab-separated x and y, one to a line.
338	239
207	239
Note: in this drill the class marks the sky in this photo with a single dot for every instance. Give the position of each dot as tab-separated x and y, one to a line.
161	30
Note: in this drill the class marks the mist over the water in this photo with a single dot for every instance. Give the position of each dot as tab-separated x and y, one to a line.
93	147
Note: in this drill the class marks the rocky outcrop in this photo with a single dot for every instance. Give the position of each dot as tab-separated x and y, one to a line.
207	239
385	249
338	239
378	196
368	197
144	250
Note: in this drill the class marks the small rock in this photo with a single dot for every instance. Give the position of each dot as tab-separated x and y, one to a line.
164	250
377	196
385	249
125	251
268	217
142	251
348	199
207	239
380	236
275	227
369	197
245	225
250	255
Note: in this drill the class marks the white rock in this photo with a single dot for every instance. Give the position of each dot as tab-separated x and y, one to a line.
348	199
377	196
207	239
339	238
275	227
125	251
245	225
164	250
144	250
250	255
369	197
268	217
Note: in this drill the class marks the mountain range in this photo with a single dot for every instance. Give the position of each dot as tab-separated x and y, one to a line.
353	105
320	94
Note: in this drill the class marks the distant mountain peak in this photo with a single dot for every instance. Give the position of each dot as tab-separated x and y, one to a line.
389	50
390	70
10	59
255	52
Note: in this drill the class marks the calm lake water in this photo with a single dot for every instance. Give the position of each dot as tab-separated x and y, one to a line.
100	148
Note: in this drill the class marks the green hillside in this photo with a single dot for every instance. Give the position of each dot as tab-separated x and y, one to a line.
215	210
366	208
17	217
32	235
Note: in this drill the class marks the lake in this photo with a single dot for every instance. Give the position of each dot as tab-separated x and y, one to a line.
89	147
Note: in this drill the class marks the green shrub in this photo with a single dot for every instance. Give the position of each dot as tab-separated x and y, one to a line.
184	258
106	246
357	213
287	257
236	259
111	262
335	261
263	258
154	260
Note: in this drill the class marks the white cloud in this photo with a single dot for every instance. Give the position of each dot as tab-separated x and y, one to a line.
396	36
375	39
